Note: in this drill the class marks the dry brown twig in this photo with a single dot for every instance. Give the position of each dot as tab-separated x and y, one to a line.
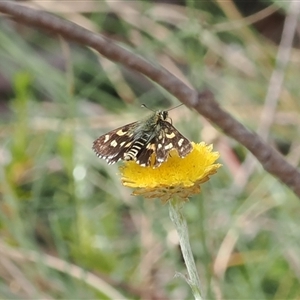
203	102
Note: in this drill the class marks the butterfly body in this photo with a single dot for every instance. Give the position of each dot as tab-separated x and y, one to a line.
139	140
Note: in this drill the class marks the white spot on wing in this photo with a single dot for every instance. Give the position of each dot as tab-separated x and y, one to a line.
169	146
121	132
114	143
128	144
171	135
180	142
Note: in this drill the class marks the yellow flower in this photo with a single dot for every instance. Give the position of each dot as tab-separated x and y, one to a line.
177	177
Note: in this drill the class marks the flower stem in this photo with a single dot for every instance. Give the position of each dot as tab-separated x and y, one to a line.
182	230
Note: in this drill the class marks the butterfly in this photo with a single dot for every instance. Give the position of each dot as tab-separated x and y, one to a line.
138	141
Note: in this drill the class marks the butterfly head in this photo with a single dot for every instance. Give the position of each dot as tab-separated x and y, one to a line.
162	115
159	115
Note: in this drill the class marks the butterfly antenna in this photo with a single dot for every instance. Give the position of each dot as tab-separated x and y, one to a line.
175	106
145	106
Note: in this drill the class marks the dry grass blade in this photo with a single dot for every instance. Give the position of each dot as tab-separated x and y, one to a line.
62	266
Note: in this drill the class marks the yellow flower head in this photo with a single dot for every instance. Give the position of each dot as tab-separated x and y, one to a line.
177	177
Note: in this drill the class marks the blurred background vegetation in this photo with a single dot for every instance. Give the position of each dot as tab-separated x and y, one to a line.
58	199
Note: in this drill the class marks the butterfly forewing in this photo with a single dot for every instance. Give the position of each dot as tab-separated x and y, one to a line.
139	140
113	145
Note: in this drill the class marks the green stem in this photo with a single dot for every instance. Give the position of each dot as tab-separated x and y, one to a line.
182	230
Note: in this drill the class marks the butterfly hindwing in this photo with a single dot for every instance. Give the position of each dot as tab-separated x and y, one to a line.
176	140
144	156
170	138
167	138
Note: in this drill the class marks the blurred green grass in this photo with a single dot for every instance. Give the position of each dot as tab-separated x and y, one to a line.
57	198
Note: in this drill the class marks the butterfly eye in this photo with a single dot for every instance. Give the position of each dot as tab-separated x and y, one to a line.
164	115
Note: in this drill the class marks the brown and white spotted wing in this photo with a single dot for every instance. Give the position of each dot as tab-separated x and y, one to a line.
167	138
113	145
139	140
143	158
